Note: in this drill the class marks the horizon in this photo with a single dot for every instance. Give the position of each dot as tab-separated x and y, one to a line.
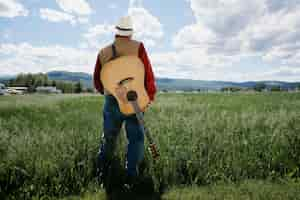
210	40
90	74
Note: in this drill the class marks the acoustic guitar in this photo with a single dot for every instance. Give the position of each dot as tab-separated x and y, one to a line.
123	77
124	74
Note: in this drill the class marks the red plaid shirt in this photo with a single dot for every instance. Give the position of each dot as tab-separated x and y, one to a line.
149	76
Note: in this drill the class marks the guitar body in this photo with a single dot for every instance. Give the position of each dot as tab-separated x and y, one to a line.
125	73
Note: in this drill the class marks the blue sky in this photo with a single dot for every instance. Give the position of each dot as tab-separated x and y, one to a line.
231	40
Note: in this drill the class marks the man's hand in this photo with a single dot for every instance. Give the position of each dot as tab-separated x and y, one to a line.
121	93
147	106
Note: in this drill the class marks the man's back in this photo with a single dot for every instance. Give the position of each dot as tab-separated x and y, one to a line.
124	47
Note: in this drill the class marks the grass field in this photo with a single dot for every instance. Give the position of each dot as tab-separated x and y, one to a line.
247	190
238	144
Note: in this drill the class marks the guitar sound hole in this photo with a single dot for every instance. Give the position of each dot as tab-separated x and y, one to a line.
132	95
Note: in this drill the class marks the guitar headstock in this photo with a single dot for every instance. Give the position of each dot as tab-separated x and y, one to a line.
154	151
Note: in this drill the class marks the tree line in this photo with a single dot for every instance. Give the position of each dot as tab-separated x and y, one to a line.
259	87
32	81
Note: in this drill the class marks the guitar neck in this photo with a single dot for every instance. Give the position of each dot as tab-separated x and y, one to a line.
140	117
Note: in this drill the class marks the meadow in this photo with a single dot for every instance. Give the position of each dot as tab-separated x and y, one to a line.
213	146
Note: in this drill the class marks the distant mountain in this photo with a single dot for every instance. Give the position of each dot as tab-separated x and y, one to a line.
187	84
85	78
4	78
269	84
174	84
166	83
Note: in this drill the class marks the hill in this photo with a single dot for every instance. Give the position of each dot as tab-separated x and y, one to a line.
175	84
4	79
168	83
85	78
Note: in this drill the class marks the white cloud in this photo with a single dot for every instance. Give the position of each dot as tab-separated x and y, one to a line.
12	8
276	36
288	54
26	58
226	17
56	16
227	30
99	31
83	20
192	63
274	28
287	72
74	11
283	73
99	35
238	26
198	35
146	26
78	7
219	24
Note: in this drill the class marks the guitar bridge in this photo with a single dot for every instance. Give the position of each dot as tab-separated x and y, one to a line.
126	80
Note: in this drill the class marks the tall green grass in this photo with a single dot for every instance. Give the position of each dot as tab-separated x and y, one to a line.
48	143
245	190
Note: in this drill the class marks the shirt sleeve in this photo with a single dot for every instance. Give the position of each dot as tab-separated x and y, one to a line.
149	75
97	82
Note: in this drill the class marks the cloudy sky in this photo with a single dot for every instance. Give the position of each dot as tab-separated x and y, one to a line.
231	40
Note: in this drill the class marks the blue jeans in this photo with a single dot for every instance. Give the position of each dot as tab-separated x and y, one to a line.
112	124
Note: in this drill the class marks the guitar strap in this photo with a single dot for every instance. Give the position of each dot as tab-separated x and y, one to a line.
114	52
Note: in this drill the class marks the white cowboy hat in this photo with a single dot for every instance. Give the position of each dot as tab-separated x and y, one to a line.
124	26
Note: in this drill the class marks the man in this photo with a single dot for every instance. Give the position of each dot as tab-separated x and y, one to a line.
112	117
